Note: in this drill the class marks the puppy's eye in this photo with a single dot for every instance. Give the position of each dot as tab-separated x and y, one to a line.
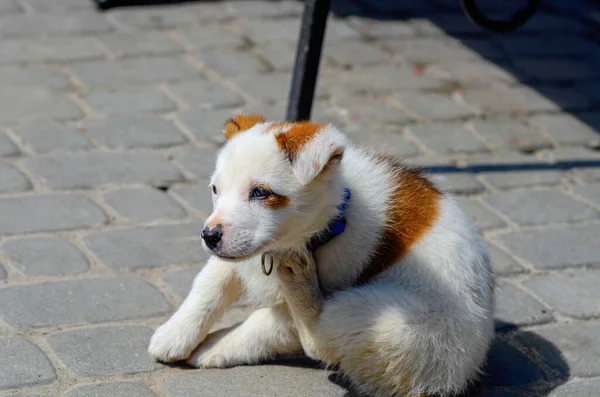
259	193
214	189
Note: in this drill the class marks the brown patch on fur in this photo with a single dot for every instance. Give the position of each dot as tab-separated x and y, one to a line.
275	201
292	141
414	211
316	165
213	223
240	124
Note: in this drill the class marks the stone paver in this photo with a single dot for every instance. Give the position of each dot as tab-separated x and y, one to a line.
49	212
45	256
116	389
576	344
127	107
135	132
87	301
85	171
49	136
23	364
515	307
533	207
574	293
148	247
144	205
104	351
556	247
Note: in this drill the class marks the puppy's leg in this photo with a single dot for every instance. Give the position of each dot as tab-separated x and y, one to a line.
215	288
300	286
266	334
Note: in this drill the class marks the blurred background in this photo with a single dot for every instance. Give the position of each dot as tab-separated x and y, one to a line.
109	126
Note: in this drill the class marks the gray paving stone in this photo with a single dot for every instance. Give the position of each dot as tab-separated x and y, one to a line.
199	161
180	281
144	205
241	382
502	263
157	17
381	28
483	218
515	307
447	138
135	132
206	94
104	351
134	71
384	140
581	388
59	6
129	100
265	9
198	196
116	389
510	135
41	24
499	99
33	103
370	111
378	78
23	364
353	53
569	129
576	343
85	171
556	247
267	87
49	136
34	76
574	293
431	50
206	125
212	36
427	106
77	302
278	55
457	183
507	366
232	63
12	180
555	70
7	146
535	207
589	192
516	179
136	44
2	273
52	49
48	212
10	6
472	73
156	246
45	256
263	31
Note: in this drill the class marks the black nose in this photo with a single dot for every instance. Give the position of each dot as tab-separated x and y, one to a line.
212	236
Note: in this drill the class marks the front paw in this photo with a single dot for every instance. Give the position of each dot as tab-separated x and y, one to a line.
171	342
297	268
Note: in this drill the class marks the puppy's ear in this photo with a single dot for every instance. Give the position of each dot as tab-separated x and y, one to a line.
240	124
315	150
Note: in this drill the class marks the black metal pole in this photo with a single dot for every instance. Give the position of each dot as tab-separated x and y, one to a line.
308	55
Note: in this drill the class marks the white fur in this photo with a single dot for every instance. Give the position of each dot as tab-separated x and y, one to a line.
428	320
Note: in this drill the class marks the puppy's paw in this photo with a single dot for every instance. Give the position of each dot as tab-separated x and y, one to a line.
171	342
296	267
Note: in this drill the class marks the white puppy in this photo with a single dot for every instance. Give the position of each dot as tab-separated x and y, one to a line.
402	300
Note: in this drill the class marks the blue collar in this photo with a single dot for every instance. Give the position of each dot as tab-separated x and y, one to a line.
335	227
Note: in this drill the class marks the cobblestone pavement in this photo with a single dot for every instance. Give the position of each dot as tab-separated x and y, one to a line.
109	124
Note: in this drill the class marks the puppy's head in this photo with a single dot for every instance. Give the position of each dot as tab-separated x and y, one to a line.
273	186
